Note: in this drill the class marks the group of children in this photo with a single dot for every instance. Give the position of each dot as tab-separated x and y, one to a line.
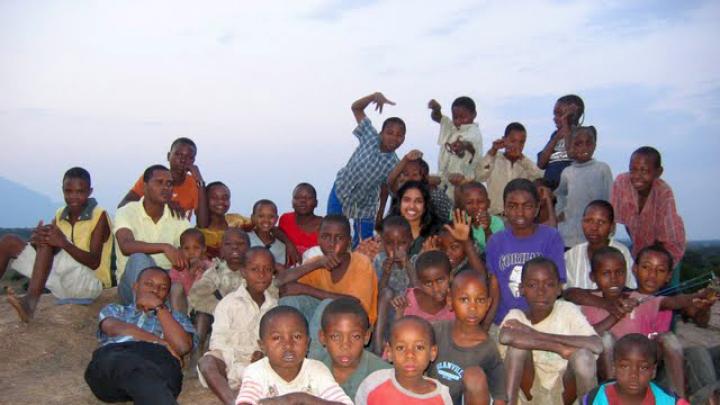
509	292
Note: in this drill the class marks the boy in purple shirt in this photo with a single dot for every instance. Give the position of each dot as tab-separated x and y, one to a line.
523	240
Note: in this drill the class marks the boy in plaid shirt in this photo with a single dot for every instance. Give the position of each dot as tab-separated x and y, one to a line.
357	185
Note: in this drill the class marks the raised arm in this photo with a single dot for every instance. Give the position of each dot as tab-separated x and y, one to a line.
397	170
358	107
435	113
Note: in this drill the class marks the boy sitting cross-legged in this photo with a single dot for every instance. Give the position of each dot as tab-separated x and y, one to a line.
549	349
70	256
233	344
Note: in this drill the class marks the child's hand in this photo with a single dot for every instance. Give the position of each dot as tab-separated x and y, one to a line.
434	181
704	298
176	210
496	146
545	193
482	220
54	236
460	228
399	303
195	171
380	100
147	302
400	257
431	243
292	254
370	247
413	155
456	179
623	306
176	257
387	265
434	105
331	261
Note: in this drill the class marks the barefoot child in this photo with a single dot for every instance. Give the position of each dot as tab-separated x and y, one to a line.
234	344
284	375
598	225
635	363
264	217
549	349
357	186
70	256
411	348
141	346
192	244
218	197
302	225
345	330
222	278
468	361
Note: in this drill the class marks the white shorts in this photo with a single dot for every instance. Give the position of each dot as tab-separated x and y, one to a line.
233	371
67	279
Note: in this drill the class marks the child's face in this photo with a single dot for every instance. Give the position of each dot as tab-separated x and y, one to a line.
412	205
181	157
462	116
333	238
391	137
285	343
158	189
152	282
514	144
470	300
633	371
643	172
411	172
233	248
582	147
264	217
435	283
304	201
345	338
258	271
410	349
596	225
652	272
521	208
560	112
76	193
453	248
540	287
192	248
219	200
475	200
396	241
610	274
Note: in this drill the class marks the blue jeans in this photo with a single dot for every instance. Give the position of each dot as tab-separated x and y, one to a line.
363	228
136	263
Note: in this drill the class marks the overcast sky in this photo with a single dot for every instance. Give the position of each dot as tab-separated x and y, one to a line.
264	88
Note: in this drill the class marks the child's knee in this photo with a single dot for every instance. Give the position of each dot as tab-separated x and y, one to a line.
474	380
670	344
583	362
608	341
11	245
209	364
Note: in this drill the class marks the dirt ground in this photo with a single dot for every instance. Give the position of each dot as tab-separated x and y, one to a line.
44	361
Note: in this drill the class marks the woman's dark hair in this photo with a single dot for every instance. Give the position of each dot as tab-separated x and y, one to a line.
429	222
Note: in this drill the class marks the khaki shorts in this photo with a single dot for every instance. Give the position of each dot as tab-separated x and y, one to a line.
233	371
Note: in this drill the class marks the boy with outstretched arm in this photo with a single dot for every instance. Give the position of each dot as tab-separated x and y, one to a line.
357	185
141	346
70	256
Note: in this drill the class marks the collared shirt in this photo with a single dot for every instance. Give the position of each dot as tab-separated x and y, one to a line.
143	320
358	183
86	213
216	282
368	364
449	162
658	221
498	171
167	229
577	266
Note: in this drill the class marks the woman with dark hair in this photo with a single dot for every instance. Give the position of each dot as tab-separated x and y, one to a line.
415	205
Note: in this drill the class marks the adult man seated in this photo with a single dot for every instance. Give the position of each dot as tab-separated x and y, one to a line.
146	232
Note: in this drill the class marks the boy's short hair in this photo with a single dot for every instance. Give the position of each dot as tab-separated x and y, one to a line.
539	261
604	205
420	321
184	141
239	231
433	258
153	268
473	185
521	185
279	311
337	219
394	121
656	247
264	201
514	126
468	272
464	102
395	221
214	184
576	131
308	186
650	152
193	233
150	171
252	250
77	173
603	252
344	306
424	167
639	342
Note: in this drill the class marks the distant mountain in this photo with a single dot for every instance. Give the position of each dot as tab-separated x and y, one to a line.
21	207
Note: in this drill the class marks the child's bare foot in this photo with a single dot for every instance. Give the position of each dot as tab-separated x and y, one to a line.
23	309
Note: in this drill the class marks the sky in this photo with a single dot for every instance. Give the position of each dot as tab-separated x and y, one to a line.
264	88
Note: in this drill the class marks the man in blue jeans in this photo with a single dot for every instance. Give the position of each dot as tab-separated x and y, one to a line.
356	191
